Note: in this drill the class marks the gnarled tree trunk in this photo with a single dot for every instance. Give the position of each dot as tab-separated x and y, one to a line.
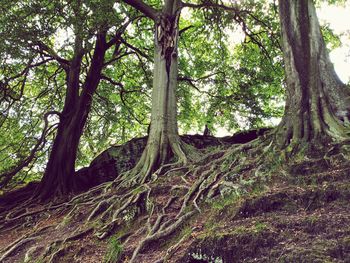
317	102
163	140
58	179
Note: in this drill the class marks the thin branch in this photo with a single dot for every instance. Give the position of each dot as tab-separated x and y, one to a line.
47	51
191	82
207	4
135	49
7	176
111	81
114	59
123	100
185	29
120	31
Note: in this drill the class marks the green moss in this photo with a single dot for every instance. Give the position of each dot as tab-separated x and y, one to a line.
257	228
222	202
215	231
312	220
139	190
184	233
114	250
66	220
260	227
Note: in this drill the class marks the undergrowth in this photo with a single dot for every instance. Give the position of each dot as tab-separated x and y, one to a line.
114	250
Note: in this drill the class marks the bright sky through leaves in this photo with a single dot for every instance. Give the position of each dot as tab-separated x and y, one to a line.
338	19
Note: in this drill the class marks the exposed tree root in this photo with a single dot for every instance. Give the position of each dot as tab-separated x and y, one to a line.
108	207
16	245
171	250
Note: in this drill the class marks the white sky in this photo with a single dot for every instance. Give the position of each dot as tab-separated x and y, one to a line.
338	18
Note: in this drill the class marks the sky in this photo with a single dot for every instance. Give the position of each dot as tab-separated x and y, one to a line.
338	18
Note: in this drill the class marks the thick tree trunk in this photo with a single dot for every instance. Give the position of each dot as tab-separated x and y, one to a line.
317	102
58	179
163	140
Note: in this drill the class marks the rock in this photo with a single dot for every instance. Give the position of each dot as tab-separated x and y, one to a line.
118	159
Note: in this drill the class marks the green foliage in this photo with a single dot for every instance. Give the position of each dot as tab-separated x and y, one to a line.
332	40
230	73
225	82
259	227
331	2
114	251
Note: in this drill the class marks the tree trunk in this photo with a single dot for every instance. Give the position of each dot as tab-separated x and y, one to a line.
317	102
163	140
58	179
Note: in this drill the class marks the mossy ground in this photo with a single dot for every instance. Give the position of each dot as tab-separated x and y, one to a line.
301	217
295	212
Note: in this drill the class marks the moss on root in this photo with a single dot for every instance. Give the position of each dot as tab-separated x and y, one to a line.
243	203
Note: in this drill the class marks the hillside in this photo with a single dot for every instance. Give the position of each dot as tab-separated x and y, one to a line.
297	213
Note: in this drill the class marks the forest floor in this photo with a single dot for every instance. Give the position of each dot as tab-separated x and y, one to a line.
301	214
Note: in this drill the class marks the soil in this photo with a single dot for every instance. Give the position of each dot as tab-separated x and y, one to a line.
301	214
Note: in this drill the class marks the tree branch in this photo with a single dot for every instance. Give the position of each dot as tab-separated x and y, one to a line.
205	4
143	8
185	29
47	51
137	50
7	176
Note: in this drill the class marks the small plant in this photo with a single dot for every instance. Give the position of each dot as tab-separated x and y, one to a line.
203	257
259	227
312	220
114	250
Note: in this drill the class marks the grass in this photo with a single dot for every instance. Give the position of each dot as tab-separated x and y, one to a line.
114	250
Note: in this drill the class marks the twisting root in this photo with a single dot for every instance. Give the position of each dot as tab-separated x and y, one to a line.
160	231
14	246
135	193
171	250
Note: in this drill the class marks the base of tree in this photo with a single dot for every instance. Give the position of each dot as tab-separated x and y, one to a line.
166	209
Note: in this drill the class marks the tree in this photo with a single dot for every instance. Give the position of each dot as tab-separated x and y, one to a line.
317	102
311	111
96	30
163	139
58	178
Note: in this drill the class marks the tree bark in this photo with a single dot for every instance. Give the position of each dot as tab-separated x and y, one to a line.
163	140
58	179
317	102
